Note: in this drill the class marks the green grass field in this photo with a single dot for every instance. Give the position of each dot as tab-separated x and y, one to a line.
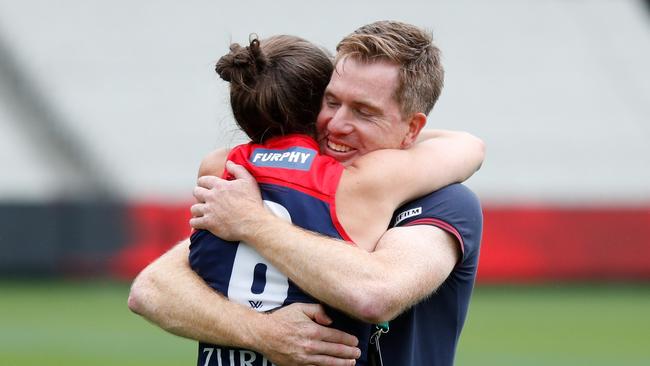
55	323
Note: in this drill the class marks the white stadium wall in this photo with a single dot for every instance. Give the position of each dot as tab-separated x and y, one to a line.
118	100
559	90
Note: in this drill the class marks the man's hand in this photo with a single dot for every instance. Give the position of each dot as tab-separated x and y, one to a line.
297	335
228	208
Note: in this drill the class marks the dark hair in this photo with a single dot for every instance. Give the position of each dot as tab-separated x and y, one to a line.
276	85
421	74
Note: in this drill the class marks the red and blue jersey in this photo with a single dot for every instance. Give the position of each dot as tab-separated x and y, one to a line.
298	184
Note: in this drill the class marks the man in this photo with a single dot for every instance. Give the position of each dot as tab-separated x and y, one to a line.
432	245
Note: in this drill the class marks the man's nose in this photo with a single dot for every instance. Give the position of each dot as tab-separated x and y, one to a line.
340	124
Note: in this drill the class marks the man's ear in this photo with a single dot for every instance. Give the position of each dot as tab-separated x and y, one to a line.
415	125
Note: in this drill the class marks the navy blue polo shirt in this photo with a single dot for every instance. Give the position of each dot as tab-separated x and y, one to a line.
427	334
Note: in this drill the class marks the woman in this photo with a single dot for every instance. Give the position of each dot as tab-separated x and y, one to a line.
277	88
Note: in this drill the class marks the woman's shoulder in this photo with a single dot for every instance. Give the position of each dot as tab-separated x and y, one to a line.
214	162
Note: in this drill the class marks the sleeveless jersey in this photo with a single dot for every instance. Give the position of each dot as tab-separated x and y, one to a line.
299	185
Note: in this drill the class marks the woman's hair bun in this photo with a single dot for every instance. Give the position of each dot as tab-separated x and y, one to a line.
242	64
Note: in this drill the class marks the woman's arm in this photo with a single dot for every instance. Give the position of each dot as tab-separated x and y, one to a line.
214	162
375	184
439	158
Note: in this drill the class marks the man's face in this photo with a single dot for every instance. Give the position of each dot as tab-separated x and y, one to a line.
359	113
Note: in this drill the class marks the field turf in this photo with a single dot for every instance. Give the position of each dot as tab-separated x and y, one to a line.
88	323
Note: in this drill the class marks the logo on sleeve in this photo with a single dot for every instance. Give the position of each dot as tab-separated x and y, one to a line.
408	213
297	158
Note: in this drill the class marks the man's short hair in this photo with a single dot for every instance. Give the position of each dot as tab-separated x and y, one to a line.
421	74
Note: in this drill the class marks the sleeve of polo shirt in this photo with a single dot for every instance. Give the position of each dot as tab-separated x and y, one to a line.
454	208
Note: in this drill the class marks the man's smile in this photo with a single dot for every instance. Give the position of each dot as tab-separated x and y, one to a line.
337	147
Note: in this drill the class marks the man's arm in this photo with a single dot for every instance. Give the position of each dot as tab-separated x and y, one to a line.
407	265
169	294
165	288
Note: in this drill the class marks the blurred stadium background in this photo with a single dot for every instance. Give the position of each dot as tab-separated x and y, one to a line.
106	109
